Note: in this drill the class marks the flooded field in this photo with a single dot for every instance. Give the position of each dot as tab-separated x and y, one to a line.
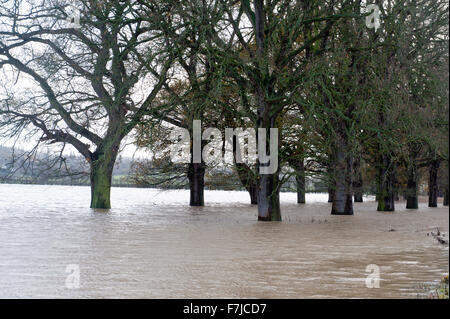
153	245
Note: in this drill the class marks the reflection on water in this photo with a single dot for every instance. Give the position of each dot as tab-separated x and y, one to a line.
151	245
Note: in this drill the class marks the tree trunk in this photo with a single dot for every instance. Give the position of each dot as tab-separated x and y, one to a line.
433	184
249	181
101	176
385	181
358	181
405	194
446	193
330	193
301	196
299	167
253	191
412	200
196	176
342	176
269	198
330	171
396	186
269	184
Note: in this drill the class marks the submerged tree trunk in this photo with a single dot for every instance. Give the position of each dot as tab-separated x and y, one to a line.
269	183
300	178
269	198
196	176
301	194
249	181
445	184
385	184
330	193
101	177
342	177
446	193
396	186
253	191
246	173
358	181
330	172
267	116
433	184
412	200
102	165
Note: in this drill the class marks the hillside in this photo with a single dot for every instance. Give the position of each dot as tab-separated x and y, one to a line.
45	168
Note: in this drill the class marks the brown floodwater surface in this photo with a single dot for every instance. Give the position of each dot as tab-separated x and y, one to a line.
152	245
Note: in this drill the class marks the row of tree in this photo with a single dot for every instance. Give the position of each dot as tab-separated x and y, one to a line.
344	96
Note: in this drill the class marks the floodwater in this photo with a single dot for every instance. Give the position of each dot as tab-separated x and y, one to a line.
152	245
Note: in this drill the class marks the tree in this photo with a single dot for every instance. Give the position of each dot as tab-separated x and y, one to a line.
404	52
272	39
95	81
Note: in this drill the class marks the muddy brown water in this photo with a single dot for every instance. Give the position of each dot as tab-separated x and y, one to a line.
152	245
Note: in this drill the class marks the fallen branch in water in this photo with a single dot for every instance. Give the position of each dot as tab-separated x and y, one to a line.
439	237
441	240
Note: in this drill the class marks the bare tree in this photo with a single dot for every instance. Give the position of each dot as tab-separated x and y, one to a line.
95	81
